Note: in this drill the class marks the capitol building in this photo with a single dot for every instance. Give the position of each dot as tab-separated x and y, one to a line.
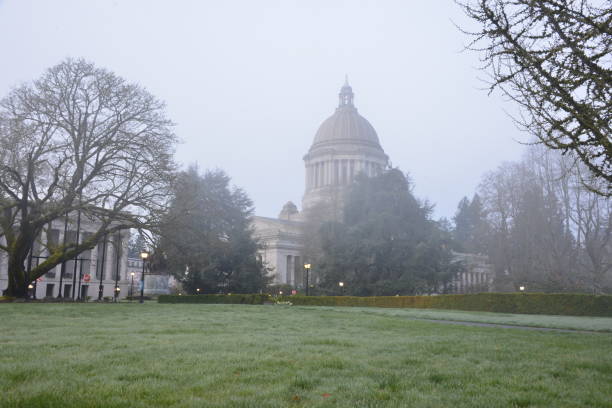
345	145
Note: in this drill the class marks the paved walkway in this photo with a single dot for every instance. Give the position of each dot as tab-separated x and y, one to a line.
504	326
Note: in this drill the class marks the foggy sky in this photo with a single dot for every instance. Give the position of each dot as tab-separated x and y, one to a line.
249	82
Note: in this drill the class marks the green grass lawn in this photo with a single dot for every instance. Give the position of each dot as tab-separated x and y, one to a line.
163	355
603	324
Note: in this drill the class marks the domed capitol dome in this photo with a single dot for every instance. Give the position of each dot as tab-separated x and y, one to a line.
345	145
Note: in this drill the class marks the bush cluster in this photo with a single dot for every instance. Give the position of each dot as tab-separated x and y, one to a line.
247	299
522	303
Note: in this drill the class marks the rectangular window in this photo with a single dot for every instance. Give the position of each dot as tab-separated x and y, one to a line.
52	242
84	291
52	238
49	291
117	252
70	265
102	255
67	291
85	256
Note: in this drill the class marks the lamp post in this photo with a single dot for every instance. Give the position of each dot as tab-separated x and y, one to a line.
341	284
522	288
117	290
307	268
143	255
198	290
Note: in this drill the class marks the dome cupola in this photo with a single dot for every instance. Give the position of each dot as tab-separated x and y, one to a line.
346	94
346	125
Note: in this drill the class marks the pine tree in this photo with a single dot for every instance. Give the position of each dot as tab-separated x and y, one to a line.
207	240
386	243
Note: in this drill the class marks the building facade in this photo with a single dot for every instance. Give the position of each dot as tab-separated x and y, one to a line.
97	273
344	146
154	283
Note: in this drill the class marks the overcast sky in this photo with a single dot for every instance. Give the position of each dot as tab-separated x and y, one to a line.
249	82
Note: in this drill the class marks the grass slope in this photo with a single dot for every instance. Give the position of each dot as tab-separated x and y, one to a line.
131	355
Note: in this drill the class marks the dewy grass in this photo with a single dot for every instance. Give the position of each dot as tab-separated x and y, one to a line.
185	355
603	324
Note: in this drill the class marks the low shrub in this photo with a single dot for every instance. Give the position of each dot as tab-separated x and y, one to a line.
137	297
247	299
6	299
568	304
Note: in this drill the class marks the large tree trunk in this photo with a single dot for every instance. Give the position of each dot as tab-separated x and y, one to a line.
17	285
18	280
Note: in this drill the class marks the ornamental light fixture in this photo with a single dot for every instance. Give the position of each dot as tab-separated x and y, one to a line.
307	269
144	255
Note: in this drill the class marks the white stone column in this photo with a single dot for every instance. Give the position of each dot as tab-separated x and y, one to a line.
323	173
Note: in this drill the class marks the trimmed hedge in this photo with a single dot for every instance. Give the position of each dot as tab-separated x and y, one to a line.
245	299
6	299
568	304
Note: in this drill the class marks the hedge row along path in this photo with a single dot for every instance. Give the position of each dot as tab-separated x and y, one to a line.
560	304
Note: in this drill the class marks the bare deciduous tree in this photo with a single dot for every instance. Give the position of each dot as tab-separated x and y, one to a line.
553	58
78	140
549	232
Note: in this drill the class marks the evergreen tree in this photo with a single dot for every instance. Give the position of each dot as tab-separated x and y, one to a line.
463	224
386	243
471	229
207	241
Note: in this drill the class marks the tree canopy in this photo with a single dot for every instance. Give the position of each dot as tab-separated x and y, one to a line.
207	240
543	228
552	57
471	229
385	243
79	142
